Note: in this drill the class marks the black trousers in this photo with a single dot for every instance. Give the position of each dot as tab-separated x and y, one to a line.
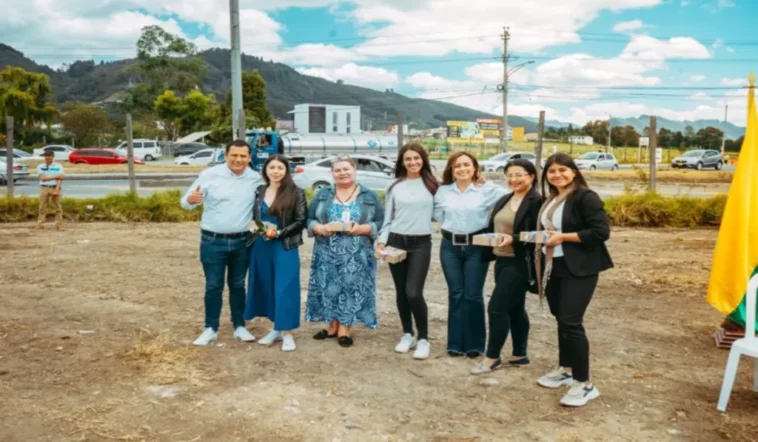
409	276
506	309
568	297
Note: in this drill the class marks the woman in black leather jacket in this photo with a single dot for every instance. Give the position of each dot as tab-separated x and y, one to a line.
280	211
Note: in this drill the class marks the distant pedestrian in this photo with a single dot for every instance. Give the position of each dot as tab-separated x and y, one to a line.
50	181
227	193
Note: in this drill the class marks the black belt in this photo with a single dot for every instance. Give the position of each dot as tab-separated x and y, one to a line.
225	235
47	185
460	239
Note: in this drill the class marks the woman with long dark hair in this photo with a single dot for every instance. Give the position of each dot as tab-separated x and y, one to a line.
462	209
409	207
574	255
514	267
274	276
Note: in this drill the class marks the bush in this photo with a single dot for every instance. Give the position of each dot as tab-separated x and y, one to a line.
632	210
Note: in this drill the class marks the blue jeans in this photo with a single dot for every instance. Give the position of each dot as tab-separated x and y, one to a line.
465	273
218	255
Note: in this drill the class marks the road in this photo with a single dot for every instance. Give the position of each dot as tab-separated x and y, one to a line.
100	188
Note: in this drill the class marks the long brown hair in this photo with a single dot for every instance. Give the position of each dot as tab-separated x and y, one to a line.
447	175
286	194
427	176
565	160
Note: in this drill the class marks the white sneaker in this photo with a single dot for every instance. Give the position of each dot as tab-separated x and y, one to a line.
209	335
422	349
270	338
243	335
580	394
556	379
288	343
406	343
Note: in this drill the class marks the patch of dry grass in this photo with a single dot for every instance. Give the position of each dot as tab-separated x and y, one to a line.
662	176
154	357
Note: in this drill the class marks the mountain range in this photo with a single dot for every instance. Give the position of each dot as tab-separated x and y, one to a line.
89	82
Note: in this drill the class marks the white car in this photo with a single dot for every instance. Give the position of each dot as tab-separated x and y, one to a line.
199	158
497	163
145	150
61	151
19	171
597	161
373	172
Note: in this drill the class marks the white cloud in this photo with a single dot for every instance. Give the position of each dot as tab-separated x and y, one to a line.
352	73
697	78
700	96
734	82
717	43
316	54
684	3
425	80
626	26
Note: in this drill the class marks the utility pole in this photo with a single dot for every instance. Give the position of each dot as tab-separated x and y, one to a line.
504	130
399	130
9	154
234	16
608	149
723	136
130	155
538	148
241	129
652	149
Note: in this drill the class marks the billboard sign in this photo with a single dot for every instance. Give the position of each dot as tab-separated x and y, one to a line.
490	128
463	129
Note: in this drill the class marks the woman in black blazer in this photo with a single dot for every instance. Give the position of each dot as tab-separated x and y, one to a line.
574	255
514	268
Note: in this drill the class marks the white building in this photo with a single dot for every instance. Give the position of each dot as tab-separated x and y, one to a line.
582	140
327	119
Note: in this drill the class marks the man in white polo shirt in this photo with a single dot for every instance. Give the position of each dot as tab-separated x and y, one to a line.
50	179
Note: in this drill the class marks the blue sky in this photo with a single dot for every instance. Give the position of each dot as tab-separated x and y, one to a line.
680	59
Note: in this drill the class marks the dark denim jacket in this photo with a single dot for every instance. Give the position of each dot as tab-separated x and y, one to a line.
372	210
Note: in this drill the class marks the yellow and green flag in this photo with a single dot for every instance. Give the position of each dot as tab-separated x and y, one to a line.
736	257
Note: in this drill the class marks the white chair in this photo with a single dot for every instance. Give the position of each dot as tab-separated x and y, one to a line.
744	346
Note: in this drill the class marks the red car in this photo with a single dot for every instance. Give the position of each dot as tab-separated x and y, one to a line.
98	156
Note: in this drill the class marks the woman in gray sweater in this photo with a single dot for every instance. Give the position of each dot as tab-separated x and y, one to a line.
409	206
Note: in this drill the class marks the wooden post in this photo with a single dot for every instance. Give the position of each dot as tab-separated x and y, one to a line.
130	155
9	153
399	130
241	129
538	146
651	150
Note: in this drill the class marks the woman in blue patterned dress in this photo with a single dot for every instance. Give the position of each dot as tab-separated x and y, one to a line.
342	284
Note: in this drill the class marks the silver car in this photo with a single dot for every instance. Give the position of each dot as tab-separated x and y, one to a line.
19	171
597	161
698	159
374	172
497	163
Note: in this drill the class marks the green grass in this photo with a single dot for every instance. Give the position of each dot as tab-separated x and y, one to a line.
631	210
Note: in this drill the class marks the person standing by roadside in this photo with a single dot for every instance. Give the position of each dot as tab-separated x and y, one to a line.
462	209
514	267
574	256
227	193
50	180
274	277
409	207
342	284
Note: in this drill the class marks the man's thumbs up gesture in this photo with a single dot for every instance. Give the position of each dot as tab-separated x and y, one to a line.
196	197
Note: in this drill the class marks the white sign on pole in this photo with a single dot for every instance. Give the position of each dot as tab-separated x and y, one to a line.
658	154
644	141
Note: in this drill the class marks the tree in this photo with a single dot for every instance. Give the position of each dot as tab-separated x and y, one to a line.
87	122
598	130
665	138
734	145
198	112
26	97
253	100
169	109
164	62
689	136
709	137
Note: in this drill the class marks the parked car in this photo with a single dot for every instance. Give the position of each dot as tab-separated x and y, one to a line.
146	150
19	171
373	172
99	156
18	154
61	151
186	149
597	161
202	157
698	159
497	163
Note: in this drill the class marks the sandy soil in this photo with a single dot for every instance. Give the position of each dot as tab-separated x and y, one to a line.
94	345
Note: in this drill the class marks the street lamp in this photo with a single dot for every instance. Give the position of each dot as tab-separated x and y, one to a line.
504	89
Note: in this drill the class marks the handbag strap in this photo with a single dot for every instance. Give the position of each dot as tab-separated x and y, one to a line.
556	202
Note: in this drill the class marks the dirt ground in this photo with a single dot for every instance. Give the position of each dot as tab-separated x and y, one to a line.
96	324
